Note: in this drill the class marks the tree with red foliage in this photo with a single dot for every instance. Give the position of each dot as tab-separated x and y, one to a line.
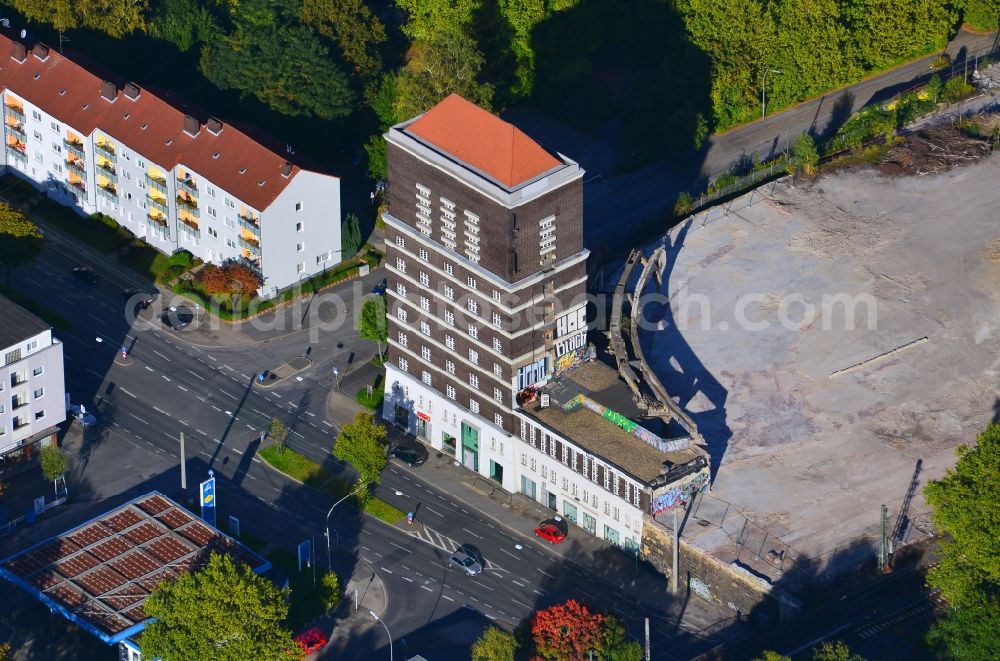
243	280
213	280
567	631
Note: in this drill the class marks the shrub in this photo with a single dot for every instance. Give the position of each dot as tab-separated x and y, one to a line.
53	463
683	205
182	258
330	590
374	401
955	89
804	156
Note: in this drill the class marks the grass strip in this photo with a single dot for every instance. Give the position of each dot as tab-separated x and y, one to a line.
313	475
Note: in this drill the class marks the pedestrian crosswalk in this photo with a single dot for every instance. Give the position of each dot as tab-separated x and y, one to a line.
430	536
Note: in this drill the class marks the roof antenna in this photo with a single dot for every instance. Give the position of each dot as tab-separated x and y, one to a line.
62	38
288	148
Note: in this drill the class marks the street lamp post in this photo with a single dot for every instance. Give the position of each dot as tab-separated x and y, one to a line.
763	85
329	560
379	620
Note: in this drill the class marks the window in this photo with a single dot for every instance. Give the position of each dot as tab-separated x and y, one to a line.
497	369
300	247
37	116
449	269
37	371
298	206
232	205
450	392
449	366
496	296
449	317
448	204
497	346
400	241
230	223
425	303
474	380
211	191
534	464
618	486
545	472
534	435
498	420
472	282
401	289
565	454
545	438
55	126
298	227
403	364
424	280
498	394
39	415
39	392
425	376
473	405
212	212
607	478
449	342
497	321
635	497
401	313
473	331
473	306
616	514
524	457
607	508
301	267
552	447
400	265
402	338
449	293
474	356
423	254
565	484
425	353
425	328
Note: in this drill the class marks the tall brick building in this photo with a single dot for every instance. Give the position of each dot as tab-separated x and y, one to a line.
487	274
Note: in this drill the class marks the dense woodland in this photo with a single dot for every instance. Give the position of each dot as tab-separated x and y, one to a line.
667	72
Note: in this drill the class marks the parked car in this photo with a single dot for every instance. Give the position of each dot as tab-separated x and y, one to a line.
177	317
467	558
409	453
379	289
311	640
139	298
552	530
86	274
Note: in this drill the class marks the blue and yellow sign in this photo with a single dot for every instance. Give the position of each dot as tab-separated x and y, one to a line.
208	500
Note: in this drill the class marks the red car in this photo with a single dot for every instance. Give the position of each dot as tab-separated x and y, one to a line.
311	640
550	531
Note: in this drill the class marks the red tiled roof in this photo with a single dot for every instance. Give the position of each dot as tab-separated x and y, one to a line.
482	140
72	94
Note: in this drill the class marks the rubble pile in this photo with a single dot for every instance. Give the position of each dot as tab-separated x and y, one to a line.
934	149
987	80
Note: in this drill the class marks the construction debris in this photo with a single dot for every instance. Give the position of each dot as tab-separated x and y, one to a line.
988	79
935	149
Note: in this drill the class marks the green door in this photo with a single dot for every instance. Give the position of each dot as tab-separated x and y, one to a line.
470	447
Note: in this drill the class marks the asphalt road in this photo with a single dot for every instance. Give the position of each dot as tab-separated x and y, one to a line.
166	387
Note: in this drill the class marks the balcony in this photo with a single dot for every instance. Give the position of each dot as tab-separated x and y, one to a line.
107	170
76	167
16	113
190	227
188	204
252	246
156	222
17	130
157	183
159	206
250	223
75	147
107	151
18	150
108	193
188	186
79	189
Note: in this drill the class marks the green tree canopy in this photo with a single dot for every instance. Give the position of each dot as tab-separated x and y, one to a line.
768	655
185	23
20	239
53	463
350	235
372	323
272	56
115	18
965	507
494	645
357	32
363	443
616	645
428	18
803	156
277	432
834	651
224	612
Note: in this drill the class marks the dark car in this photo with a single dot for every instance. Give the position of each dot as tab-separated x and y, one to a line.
552	530
468	559
138	298
86	274
177	317
414	455
379	289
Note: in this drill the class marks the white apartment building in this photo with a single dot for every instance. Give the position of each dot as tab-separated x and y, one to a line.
174	179
32	389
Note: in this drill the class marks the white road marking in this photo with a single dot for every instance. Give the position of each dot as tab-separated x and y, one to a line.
182	422
201	398
251	428
95	373
126	392
427	588
211	357
94	316
139	419
520	602
244	375
197	376
159	410
386	570
258	412
165	377
542	571
435	511
327	423
148	368
472	533
183	388
406	578
237	451
161	355
201	432
216	408
228	395
311	413
297	434
227	367
518	583
507	552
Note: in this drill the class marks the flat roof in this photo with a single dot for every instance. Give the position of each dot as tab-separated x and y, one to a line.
99	574
17	324
568	416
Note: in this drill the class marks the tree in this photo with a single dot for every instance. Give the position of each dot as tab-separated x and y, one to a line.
243	280
20	239
965	507
4	651
54	463
272	56
617	647
442	64
835	651
356	30
363	443
567	631
494	645
213	280
116	18
278	432
224	612
803	156
185	23
372	324
768	655
426	18
330	590
350	235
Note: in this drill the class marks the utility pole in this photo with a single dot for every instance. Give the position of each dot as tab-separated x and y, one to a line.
647	639
883	549
673	574
184	482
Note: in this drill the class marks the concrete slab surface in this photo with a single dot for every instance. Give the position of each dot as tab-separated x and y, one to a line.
814	422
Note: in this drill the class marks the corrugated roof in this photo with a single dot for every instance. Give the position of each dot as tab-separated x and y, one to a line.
72	94
483	141
17	324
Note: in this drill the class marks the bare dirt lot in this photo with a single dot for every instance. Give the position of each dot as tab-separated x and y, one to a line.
814	421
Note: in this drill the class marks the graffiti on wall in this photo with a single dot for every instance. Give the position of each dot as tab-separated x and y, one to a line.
679	494
573	359
619	420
